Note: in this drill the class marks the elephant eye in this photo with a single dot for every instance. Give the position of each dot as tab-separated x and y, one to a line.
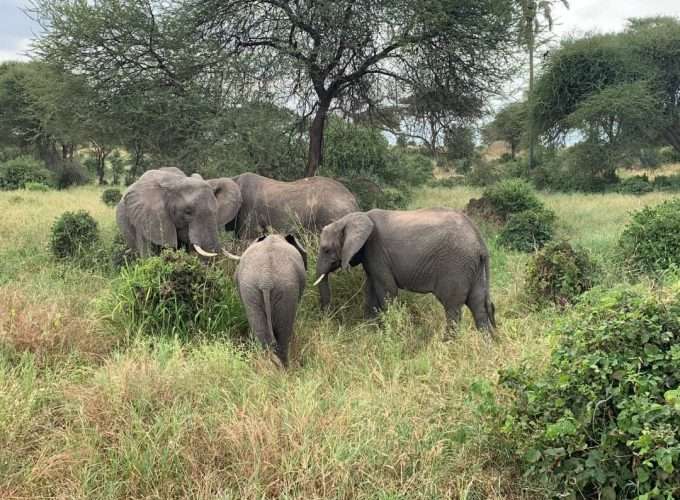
188	211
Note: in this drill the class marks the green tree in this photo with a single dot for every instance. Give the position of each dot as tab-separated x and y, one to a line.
508	125
319	55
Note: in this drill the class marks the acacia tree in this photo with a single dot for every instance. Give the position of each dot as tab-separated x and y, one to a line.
346	53
508	125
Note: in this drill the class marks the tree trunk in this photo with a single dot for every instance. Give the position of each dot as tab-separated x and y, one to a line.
315	156
530	120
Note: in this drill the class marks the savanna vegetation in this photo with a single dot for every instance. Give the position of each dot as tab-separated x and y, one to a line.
128	377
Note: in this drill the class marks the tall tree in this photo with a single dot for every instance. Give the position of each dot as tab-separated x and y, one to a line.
316	55
508	125
534	13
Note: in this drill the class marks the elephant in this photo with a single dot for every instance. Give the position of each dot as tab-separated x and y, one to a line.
270	279
312	203
433	250
165	208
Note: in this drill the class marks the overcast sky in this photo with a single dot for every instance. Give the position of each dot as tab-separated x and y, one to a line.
16	29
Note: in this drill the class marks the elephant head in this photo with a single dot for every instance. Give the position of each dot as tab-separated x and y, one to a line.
341	242
168	209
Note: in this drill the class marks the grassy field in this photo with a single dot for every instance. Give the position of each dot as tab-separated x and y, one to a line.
389	409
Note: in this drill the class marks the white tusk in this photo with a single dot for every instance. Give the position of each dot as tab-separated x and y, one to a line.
203	252
231	255
319	280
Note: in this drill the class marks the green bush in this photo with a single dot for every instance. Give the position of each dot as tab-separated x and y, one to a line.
667	182
483	173
637	184
668	154
111	196
511	196
584	167
649	158
528	230
75	235
15	173
36	186
651	240
603	419
175	295
70	173
559	273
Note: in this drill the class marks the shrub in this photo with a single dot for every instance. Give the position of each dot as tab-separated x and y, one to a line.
668	154
603	419
483	173
111	196
667	182
14	174
70	173
75	235
528	230
511	196
584	167
119	255
651	240
36	186
637	184
446	182
649	158
175	295
559	273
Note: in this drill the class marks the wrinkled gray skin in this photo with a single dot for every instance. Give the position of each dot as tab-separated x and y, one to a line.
165	208
312	202
435	250
271	278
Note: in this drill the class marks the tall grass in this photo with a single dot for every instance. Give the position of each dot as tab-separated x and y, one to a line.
391	408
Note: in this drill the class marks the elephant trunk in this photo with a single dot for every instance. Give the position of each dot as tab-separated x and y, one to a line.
203	238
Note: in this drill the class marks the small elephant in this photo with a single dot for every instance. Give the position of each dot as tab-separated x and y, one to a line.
165	208
270	278
435	250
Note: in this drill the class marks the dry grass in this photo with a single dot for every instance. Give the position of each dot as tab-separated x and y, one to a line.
389	409
667	169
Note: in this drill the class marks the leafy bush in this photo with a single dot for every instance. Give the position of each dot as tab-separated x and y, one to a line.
637	184
15	173
36	186
651	240
483	173
175	295
118	254
584	167
511	196
528	230
649	158
667	182
446	182
668	154
559	273
111	196
75	235
603	420
70	173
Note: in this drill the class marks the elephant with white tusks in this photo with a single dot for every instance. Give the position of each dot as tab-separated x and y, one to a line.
165	208
435	250
270	278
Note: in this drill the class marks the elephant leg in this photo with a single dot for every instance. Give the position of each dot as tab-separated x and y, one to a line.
377	293
284	323
144	247
453	314
476	302
325	293
257	319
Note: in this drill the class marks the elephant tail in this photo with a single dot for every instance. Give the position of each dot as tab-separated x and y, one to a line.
490	308
266	295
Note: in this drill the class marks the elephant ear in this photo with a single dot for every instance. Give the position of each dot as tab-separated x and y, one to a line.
228	195
357	227
290	238
147	212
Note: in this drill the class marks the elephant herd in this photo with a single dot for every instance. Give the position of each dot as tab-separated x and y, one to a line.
436	250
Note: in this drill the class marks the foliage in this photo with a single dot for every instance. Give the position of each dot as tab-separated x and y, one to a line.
508	125
483	173
36	186
459	142
667	182
511	196
75	235
528	230
69	173
650	242
636	184
586	167
602	420
111	196
15	173
650	158
175	295
559	273
361	158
